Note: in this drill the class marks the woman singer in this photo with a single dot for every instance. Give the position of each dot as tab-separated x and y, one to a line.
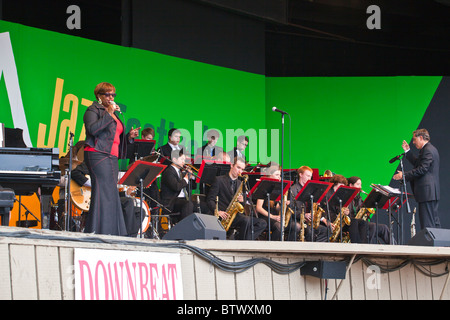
105	144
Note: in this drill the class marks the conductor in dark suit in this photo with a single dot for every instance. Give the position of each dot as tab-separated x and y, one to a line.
174	188
424	178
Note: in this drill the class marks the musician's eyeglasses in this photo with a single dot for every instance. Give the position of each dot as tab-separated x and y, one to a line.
110	94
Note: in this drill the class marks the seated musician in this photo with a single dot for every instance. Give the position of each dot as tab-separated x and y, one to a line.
148	134
130	213
172	146
357	229
225	188
175	184
356	205
293	228
321	234
238	151
210	150
151	194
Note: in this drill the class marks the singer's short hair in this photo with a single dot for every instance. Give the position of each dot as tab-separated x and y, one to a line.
103	87
422	133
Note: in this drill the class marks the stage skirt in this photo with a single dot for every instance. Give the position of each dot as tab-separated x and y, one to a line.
105	214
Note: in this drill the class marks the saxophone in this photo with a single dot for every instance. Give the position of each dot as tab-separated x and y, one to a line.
287	211
302	225
363	213
413	224
337	226
317	214
234	207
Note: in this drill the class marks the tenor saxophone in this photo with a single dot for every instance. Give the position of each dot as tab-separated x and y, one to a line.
234	207
317	214
363	212
287	211
413	224
302	225
337	225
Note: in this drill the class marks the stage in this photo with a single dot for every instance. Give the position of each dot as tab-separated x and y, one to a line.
42	265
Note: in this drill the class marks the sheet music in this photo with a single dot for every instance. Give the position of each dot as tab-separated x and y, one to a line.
386	189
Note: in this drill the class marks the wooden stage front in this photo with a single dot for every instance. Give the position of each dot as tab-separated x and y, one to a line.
39	264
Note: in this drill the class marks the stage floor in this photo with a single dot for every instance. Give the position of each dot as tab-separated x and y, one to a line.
36	264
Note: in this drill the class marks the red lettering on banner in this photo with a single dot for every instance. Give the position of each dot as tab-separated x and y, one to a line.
165	290
82	264
153	289
143	266
131	287
117	287
105	278
173	274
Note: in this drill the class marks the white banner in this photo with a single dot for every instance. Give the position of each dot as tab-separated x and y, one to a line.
127	275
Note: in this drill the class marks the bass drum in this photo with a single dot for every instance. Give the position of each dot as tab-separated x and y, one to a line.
146	216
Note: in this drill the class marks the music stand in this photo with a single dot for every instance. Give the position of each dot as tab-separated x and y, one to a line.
140	174
313	191
380	198
209	169
271	189
140	149
343	196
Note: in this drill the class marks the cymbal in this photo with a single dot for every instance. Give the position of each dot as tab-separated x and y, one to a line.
150	158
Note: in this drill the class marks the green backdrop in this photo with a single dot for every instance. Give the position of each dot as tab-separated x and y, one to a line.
350	125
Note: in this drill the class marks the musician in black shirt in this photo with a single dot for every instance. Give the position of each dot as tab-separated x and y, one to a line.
225	187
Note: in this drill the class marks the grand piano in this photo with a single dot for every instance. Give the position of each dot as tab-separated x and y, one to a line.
26	171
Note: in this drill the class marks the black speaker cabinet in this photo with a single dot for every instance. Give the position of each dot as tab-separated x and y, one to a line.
197	226
324	269
7	197
433	237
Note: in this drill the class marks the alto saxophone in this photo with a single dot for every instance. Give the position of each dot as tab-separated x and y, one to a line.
413	224
363	213
287	211
302	225
234	207
337	226
317	212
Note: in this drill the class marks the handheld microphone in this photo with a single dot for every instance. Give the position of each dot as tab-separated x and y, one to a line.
274	109
396	157
116	105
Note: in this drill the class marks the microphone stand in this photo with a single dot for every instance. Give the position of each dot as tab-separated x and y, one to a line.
69	178
282	177
252	207
403	189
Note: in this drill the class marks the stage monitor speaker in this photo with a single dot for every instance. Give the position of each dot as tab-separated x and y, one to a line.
324	269
197	226
7	197
433	237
